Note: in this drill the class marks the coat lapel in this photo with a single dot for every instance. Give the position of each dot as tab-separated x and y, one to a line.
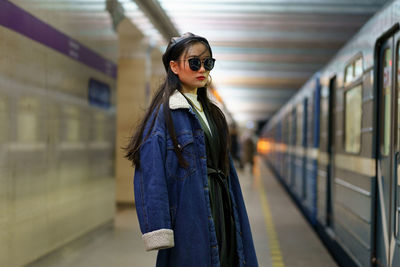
177	101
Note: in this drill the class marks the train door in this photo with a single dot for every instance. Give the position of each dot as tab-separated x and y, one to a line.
298	185
387	237
288	150
331	149
304	145
293	138
279	154
396	130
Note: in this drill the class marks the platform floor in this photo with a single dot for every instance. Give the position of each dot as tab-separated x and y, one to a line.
281	235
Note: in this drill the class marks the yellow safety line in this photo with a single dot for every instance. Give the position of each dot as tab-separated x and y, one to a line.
273	242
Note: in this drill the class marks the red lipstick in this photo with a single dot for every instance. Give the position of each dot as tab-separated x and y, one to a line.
200	78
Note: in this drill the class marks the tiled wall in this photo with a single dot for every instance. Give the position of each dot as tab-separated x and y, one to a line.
56	151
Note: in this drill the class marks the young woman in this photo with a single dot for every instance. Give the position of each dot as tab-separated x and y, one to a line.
187	194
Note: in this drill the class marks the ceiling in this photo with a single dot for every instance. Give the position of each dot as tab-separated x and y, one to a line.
265	49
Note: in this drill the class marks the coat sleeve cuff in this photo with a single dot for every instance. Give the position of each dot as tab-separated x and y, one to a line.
159	239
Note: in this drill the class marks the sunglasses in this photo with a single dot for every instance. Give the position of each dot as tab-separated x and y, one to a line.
195	63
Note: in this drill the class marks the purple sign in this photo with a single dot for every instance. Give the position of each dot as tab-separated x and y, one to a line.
17	19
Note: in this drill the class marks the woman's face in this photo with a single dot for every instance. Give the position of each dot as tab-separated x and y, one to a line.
191	80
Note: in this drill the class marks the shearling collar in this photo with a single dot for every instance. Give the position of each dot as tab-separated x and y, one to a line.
177	100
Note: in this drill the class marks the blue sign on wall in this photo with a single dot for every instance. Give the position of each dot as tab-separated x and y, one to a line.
99	94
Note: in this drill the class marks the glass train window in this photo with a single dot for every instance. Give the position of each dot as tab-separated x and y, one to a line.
398	95
358	68
289	128
349	74
386	98
353	105
323	115
354	70
293	127
398	66
287	124
299	125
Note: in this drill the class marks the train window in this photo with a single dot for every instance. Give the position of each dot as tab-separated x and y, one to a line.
349	74
299	126
353	105
287	129
398	66
358	68
354	70
398	95
387	83
293	127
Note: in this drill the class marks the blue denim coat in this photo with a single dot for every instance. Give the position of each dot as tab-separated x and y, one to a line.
172	202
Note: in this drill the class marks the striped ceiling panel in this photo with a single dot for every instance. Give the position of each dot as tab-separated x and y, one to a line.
267	49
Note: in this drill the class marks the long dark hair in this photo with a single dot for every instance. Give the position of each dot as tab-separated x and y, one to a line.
161	97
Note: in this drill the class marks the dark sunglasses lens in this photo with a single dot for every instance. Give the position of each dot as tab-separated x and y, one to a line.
194	64
209	63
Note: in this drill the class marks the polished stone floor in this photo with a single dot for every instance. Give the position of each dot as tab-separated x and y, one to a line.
284	240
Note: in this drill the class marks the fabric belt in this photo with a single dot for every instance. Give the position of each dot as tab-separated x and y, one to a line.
223	181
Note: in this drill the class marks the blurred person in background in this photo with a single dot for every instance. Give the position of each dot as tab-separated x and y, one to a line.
235	150
248	150
187	194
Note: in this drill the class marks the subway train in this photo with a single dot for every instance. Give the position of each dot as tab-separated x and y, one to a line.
335	146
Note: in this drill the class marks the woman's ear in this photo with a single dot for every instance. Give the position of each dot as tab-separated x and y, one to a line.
174	66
